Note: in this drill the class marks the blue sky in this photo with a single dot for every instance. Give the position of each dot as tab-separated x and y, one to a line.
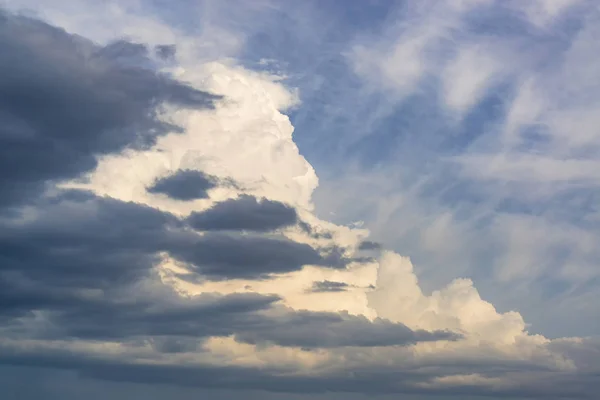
460	135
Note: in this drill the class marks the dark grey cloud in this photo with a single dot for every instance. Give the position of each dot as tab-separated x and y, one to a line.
335	255
77	241
174	324
245	213
175	344
165	51
228	256
65	100
368	380
66	385
171	323
87	262
329	286
325	329
312	232
80	240
234	255
166	320
185	185
369	245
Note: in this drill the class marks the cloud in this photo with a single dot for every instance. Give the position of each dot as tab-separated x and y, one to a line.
134	304
245	213
166	51
66	101
369	245
329	286
487	143
403	54
542	13
85	240
79	255
78	240
114	283
316	330
467	77
229	256
314	233
370	381
185	185
127	319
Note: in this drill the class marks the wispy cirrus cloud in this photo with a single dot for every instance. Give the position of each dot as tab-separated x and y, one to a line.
490	142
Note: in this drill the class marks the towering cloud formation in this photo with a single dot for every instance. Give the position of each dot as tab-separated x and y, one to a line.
160	230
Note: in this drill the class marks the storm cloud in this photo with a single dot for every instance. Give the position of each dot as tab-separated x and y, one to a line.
65	100
88	262
228	256
185	185
326	330
245	213
369	380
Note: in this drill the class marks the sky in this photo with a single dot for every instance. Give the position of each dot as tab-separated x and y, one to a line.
298	200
